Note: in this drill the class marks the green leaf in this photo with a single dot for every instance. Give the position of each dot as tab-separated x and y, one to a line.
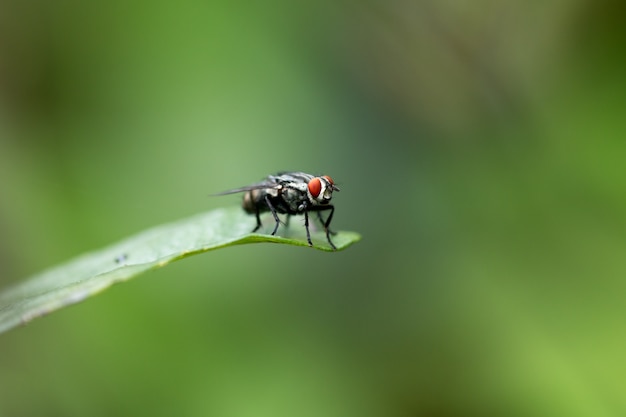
93	272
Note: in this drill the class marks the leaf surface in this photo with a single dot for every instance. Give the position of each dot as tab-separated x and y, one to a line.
88	274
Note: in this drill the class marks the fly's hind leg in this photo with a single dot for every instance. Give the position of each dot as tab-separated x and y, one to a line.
273	210
258	220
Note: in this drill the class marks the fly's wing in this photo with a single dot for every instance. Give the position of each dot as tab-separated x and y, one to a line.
258	186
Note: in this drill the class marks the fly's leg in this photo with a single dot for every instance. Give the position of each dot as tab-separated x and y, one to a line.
330	217
258	219
327	224
273	210
323	222
306	226
286	222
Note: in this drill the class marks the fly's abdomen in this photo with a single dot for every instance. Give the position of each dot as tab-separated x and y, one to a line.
249	203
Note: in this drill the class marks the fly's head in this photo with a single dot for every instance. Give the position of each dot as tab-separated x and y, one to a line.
320	190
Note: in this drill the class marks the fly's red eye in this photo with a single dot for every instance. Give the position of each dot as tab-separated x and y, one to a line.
330	180
315	187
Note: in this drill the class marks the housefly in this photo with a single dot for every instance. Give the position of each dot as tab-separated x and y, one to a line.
290	193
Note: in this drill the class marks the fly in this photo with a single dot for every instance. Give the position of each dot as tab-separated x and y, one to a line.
290	193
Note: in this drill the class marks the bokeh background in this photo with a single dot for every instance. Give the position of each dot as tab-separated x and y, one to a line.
480	149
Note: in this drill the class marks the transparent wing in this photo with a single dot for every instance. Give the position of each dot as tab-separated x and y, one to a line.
259	186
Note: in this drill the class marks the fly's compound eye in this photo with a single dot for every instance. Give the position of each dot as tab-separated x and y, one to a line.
331	183
321	189
315	187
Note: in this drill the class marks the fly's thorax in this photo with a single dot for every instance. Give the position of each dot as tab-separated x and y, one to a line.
294	197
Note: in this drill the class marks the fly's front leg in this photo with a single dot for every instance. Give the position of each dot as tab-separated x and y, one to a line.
323	222
273	210
327	224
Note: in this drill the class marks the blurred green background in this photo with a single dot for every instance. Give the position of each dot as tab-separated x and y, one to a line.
480	150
